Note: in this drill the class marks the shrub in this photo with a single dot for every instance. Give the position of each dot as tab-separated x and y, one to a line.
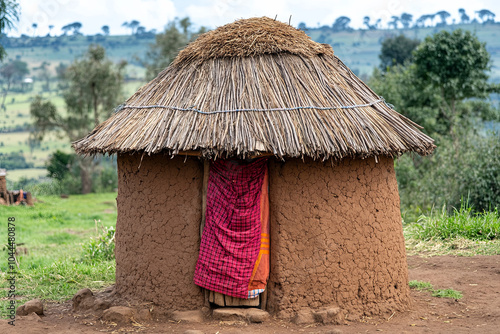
101	247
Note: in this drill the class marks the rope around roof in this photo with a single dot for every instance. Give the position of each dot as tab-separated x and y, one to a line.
192	108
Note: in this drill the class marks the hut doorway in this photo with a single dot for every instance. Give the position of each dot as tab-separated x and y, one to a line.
240	228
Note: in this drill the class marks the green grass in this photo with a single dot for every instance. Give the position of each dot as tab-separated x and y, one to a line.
447	293
50	238
462	222
461	233
440	293
420	285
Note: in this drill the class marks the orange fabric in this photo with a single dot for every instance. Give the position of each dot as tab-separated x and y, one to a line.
260	273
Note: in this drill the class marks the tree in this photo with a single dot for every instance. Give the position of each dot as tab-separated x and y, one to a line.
51	26
94	88
464	18
140	30
341	24
396	50
486	15
12	72
420	22
302	26
66	29
132	25
105	30
9	14
166	47
431	17
406	20
394	22
34	26
366	22
59	164
44	74
75	26
455	65
443	15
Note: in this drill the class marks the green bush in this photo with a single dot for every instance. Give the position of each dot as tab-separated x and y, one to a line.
471	170
101	247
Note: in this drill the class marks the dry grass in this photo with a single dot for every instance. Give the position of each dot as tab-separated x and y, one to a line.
252	37
257	86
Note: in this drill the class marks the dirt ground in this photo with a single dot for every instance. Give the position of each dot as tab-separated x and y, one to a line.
478	278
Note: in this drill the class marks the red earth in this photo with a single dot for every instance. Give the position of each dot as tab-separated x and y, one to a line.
477	277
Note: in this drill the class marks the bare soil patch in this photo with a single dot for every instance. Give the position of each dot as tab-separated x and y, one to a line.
477	277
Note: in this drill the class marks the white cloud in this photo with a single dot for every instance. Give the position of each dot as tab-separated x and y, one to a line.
93	14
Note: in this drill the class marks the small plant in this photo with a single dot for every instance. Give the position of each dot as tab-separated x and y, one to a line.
447	293
441	293
102	246
419	285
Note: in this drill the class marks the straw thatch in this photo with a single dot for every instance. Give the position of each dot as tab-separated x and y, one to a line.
251	87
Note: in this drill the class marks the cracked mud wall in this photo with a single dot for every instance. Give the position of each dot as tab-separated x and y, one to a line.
157	230
336	237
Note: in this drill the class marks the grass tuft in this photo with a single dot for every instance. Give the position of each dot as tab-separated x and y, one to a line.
440	293
419	285
447	293
462	223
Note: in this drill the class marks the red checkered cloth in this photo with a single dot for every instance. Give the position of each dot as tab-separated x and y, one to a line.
230	241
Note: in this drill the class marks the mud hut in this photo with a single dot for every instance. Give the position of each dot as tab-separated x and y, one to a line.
261	88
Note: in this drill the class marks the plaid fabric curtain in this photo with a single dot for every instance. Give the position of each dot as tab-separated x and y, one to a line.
231	237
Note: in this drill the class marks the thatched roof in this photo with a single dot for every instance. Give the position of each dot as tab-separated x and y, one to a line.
251	87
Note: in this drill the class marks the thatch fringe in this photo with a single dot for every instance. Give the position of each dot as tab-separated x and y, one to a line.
264	82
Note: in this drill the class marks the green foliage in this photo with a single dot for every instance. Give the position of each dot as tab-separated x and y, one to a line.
59	164
441	293
9	13
399	86
105	177
12	73
92	88
481	180
435	91
176	36
45	115
396	51
101	247
14	160
455	63
447	293
462	222
471	169
420	285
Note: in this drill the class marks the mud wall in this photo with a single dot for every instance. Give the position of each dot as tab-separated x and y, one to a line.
336	237
157	230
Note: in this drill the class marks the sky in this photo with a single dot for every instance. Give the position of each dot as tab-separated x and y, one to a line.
154	14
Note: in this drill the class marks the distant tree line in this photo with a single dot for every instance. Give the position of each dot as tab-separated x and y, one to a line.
405	21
